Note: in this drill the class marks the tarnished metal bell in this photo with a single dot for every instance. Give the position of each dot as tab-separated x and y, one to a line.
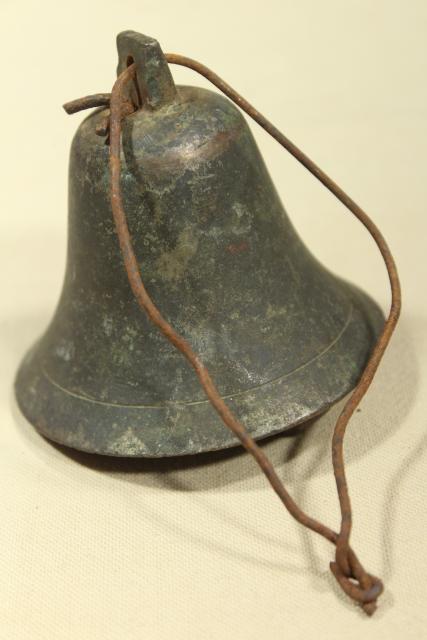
282	337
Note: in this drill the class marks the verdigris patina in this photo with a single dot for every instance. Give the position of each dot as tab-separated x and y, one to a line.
282	337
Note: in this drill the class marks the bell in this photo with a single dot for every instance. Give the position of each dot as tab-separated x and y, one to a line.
282	337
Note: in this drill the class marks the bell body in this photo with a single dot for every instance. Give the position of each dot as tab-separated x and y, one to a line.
282	337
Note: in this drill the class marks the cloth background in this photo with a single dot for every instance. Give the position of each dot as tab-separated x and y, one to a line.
105	549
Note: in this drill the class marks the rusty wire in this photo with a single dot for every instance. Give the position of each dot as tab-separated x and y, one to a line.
355	581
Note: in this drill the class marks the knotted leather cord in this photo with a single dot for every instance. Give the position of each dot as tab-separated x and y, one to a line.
355	581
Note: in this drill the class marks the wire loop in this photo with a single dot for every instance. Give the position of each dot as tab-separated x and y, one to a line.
354	580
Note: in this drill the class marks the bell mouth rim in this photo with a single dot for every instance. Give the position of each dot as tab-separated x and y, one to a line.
171	431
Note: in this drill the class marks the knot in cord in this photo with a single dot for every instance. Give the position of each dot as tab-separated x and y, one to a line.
358	584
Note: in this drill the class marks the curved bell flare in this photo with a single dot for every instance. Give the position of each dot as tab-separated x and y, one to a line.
282	337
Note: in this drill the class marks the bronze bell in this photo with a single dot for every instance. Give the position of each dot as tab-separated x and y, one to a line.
282	337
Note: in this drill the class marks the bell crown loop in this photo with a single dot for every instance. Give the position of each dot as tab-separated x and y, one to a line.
153	85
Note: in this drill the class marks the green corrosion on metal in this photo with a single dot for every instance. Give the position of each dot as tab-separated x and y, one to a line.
282	337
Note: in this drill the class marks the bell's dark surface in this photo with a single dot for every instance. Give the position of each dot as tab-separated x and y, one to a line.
282	337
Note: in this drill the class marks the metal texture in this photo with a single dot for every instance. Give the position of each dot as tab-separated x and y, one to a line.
153	86
354	580
282	336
